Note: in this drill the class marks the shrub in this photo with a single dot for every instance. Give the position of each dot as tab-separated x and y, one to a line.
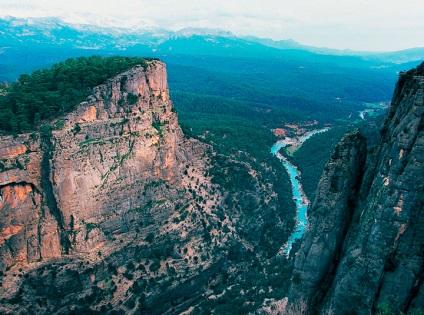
384	309
155	266
149	238
132	99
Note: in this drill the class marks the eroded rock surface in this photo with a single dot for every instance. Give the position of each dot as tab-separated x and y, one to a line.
95	169
112	180
115	209
379	258
329	218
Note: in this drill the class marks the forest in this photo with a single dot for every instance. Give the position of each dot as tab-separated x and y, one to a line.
52	92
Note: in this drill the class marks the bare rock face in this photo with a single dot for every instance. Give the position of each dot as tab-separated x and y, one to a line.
381	259
329	217
101	170
68	187
113	177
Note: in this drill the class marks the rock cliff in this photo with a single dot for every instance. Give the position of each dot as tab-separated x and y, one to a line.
112	208
65	191
364	246
110	185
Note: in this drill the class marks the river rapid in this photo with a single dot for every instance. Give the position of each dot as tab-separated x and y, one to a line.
299	196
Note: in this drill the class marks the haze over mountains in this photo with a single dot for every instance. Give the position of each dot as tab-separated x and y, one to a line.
100	35
121	195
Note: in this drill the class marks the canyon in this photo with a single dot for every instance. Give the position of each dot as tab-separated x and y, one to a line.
111	208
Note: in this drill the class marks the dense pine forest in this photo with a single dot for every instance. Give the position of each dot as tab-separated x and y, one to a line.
51	92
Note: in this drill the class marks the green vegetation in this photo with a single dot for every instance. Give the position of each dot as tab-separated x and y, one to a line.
49	93
243	139
311	157
251	284
149	238
279	90
132	99
233	103
87	142
385	308
91	226
158	126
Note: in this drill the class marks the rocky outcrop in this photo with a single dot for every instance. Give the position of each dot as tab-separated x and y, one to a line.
111	183
67	187
329	218
378	259
111	207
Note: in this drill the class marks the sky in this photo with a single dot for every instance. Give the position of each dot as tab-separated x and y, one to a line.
367	25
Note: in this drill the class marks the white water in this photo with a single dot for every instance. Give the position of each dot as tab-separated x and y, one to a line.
310	134
376	107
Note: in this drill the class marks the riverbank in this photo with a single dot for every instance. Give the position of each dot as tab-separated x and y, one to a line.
373	109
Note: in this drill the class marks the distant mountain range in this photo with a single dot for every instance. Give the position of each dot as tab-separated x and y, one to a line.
107	36
412	54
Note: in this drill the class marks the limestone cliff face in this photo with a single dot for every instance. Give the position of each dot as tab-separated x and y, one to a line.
113	208
64	191
109	184
379	259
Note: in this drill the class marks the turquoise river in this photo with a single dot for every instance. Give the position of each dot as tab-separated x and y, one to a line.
299	196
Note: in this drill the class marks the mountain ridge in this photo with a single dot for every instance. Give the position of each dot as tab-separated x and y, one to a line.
153	37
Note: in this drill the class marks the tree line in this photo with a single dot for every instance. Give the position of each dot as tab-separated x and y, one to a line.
49	93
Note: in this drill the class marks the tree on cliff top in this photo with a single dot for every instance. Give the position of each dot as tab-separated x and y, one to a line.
49	93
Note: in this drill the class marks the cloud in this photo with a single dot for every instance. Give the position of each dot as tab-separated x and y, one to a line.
359	24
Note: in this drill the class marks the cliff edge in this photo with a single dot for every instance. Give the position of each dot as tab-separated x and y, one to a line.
65	190
100	204
365	250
